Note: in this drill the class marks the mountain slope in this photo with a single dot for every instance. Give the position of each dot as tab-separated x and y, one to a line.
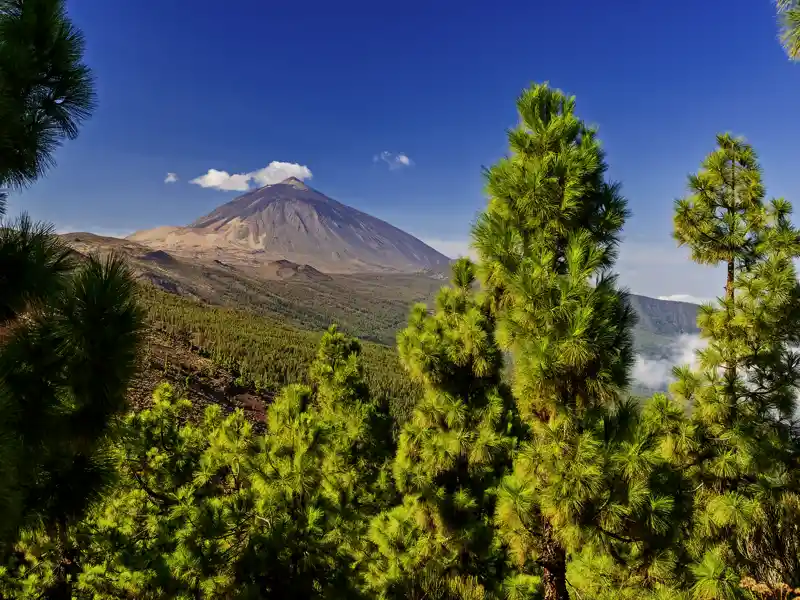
372	306
291	221
665	317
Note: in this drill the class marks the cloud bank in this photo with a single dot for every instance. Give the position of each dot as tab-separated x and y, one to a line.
171	178
395	161
657	373
274	172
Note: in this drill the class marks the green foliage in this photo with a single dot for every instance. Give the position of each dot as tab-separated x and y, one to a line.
439	541
742	458
46	91
214	511
789	16
591	472
34	266
64	373
721	219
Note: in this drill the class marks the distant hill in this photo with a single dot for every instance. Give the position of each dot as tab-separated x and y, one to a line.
665	317
293	222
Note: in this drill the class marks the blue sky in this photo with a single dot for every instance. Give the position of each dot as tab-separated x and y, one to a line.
185	87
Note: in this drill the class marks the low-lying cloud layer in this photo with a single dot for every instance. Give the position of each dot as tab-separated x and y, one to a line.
656	374
274	172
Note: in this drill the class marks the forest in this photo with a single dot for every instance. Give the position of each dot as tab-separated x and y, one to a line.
266	354
520	468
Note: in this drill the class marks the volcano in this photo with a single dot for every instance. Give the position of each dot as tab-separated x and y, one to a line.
292	221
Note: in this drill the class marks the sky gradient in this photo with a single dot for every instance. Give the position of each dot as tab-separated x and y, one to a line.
394	108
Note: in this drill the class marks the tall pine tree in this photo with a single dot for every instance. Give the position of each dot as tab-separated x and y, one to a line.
742	396
547	243
722	218
439	542
68	338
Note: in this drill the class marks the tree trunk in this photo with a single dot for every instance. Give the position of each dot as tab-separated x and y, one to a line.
555	583
554	565
729	283
730	367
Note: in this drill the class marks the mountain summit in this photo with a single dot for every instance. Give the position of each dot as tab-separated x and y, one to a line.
294	182
292	221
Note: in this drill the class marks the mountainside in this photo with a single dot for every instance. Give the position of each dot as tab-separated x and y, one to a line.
291	221
372	306
665	317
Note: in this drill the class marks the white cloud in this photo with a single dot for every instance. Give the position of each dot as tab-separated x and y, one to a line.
657	373
224	181
171	178
395	161
274	172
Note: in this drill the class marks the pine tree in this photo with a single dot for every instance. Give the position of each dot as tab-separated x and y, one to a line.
46	91
68	334
64	374
546	244
722	218
742	396
439	542
321	473
789	16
